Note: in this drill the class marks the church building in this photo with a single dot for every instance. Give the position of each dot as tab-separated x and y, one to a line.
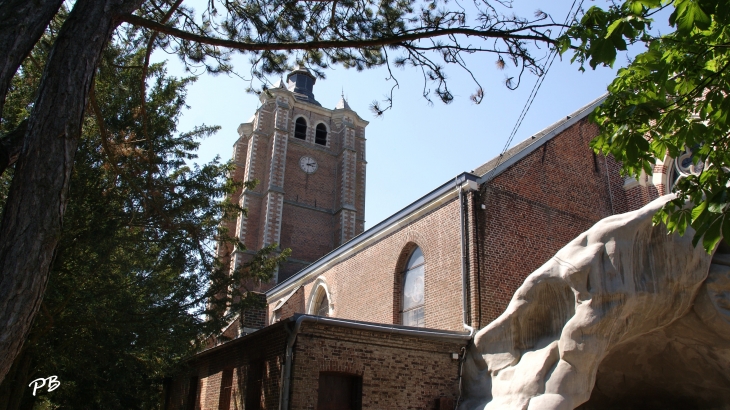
379	319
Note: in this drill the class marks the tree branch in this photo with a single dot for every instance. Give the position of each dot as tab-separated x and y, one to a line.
143	90
11	145
399	40
102	129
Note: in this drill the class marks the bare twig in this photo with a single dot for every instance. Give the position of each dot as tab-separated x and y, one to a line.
102	129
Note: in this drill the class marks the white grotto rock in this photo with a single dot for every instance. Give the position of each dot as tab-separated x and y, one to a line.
624	316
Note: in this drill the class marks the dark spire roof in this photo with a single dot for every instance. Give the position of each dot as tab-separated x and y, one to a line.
301	82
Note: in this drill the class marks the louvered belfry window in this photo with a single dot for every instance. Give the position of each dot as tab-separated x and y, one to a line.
300	128
320	136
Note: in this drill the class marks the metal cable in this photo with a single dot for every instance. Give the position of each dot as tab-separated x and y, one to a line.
535	89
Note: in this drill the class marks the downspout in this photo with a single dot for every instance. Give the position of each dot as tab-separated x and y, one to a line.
286	374
464	273
478	248
464	278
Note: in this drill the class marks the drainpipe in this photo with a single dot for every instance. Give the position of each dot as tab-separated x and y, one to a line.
286	374
469	185
477	198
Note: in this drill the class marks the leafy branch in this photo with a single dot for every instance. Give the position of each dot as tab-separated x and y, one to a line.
671	99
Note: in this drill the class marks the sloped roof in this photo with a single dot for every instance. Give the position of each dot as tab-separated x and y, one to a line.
496	165
342	104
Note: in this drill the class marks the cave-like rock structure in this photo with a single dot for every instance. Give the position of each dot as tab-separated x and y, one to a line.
623	317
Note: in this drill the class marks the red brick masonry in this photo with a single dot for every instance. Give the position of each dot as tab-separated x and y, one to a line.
399	367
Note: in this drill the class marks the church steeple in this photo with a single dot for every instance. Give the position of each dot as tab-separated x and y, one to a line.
343	105
301	83
312	167
280	83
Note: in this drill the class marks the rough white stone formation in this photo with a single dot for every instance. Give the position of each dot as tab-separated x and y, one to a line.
624	316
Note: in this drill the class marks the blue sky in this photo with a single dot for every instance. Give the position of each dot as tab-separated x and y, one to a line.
414	147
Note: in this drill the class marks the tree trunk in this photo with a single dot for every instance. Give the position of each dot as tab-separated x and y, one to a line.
11	145
22	23
14	389
31	223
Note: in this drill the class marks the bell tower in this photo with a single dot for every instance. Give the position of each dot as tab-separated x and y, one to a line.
309	162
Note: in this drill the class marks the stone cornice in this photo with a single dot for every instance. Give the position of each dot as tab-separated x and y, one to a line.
310	207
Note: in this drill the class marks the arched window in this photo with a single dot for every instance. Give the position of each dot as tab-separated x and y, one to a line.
684	166
320	136
322	304
413	290
300	128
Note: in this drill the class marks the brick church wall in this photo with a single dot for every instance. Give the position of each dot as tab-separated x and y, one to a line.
534	208
309	204
398	372
313	223
293	305
643	191
362	287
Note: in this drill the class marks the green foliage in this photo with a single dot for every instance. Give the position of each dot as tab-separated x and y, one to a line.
135	286
671	98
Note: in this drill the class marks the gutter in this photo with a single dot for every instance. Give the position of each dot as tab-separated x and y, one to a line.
391	329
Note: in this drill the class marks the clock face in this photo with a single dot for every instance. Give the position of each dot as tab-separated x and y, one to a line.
308	164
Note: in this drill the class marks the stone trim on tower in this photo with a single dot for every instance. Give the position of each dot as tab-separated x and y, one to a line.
241	225
278	153
272	228
360	191
348	182
248	173
275	191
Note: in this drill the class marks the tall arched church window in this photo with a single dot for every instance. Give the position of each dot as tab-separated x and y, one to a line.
322	307
413	290
320	137
300	128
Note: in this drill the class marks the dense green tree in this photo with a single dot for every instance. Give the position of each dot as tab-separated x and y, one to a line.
672	98
134	286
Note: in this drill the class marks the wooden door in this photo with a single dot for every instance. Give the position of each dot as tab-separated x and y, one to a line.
254	382
339	391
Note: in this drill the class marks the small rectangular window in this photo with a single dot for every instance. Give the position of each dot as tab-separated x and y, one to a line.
339	391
